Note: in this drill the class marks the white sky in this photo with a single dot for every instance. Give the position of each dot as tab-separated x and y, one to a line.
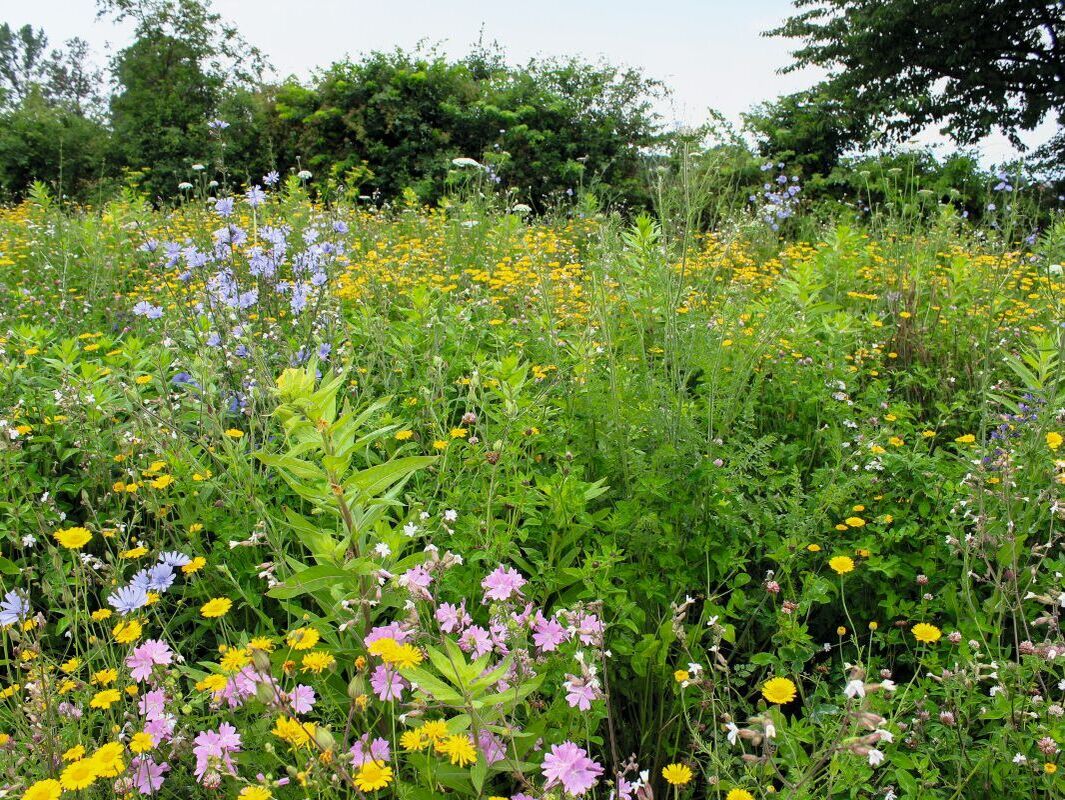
709	52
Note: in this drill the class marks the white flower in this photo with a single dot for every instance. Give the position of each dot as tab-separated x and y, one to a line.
1054	269
383	550
733	733
996	689
304	175
463	161
694	668
410	529
451	515
875	758
890	795
29	541
1020	758
855	688
770	731
886	735
198	167
888	685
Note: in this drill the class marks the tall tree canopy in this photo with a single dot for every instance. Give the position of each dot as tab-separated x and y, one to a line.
970	66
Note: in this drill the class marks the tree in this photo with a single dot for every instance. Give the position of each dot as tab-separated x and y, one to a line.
971	66
62	77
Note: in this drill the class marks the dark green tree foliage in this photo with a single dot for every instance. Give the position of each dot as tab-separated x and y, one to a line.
970	66
397	119
809	130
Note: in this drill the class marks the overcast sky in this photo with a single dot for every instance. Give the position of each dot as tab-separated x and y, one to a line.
709	52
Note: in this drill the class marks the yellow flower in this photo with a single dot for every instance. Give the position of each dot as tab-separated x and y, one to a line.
435	729
404	656
459	749
373	776
841	565
303	638
923	632
101	614
69	666
195	565
841	631
73	538
814	548
234	433
254	793
677	774
74	753
216	607
458	433
414	740
78	775
235	659
109	761
1050	768
162	482
317	661
739	794
402	436
681	675
105	677
966	439
440	444
127	632
264	643
105	699
136	552
778	690
1054	440
854	522
212	683
43	790
141	742
141	379
292	731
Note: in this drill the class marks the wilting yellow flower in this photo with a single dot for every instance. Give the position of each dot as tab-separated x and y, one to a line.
778	690
73	538
923	632
841	565
295	733
373	776
216	607
677	774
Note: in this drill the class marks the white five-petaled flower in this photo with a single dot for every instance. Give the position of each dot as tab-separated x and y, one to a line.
410	529
1020	758
875	758
885	735
451	515
733	733
855	688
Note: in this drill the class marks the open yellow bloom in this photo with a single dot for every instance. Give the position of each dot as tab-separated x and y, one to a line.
43	790
216	607
739	794
677	774
79	775
254	793
141	742
105	699
841	565
73	538
459	749
373	776
778	690
1054	440
108	759
923	632
303	638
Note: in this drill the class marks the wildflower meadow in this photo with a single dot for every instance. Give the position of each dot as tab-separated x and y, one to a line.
374	473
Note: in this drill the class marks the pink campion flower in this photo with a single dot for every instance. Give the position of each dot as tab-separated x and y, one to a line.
146	775
548	633
489	744
502	583
391	631
242	686
152	705
214	749
364	750
569	765
301	699
161	729
452	618
522	619
387	683
476	640
146	656
416	578
590	629
580	692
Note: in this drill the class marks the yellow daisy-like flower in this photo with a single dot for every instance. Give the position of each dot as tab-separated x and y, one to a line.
195	565
136	552
404	656
43	790
141	742
264	643
100	614
373	776
459	749
317	661
105	677
292	731
841	565
70	666
1050	768
303	638
681	675
162	482
74	753
1054	440
440	444
73	538
435	730
779	690
79	775
402	436
126	632
739	794
109	763
234	433
968	438
414	740
814	548
928	634
105	699
254	793
216	607
854	522
677	774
